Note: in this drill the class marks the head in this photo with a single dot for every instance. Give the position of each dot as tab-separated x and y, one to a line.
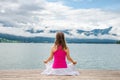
60	40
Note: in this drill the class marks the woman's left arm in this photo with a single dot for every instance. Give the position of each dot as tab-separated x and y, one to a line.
50	57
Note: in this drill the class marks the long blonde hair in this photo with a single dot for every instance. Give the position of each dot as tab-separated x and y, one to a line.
60	40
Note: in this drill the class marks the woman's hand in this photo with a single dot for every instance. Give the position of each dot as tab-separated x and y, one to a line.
45	61
74	62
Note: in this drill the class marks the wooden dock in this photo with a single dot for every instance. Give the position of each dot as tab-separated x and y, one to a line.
35	75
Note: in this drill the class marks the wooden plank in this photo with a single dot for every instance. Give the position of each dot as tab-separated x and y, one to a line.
35	75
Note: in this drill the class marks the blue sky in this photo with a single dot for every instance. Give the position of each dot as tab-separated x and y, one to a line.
86	4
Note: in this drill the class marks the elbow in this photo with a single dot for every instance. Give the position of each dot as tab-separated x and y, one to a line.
50	58
68	58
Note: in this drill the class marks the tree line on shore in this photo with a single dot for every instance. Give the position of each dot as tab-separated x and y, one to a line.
3	40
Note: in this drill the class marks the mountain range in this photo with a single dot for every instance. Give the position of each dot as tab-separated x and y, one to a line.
70	36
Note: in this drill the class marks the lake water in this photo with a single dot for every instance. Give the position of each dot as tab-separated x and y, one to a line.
31	55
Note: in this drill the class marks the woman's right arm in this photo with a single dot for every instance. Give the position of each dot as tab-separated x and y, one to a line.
69	58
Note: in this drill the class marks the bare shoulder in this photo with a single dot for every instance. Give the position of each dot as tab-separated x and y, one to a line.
66	50
53	48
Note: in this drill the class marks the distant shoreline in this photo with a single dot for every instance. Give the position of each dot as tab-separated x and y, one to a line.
8	38
51	40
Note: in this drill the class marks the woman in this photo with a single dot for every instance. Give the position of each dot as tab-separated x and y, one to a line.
59	53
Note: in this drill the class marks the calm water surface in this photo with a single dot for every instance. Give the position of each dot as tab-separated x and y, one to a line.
31	55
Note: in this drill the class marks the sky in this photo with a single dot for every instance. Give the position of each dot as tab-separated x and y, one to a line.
18	16
87	4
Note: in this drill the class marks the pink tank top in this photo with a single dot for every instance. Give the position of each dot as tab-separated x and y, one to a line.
59	58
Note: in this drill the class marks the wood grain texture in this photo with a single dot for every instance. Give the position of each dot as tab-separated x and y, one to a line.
35	75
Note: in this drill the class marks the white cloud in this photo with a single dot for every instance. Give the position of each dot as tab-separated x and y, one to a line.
38	14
